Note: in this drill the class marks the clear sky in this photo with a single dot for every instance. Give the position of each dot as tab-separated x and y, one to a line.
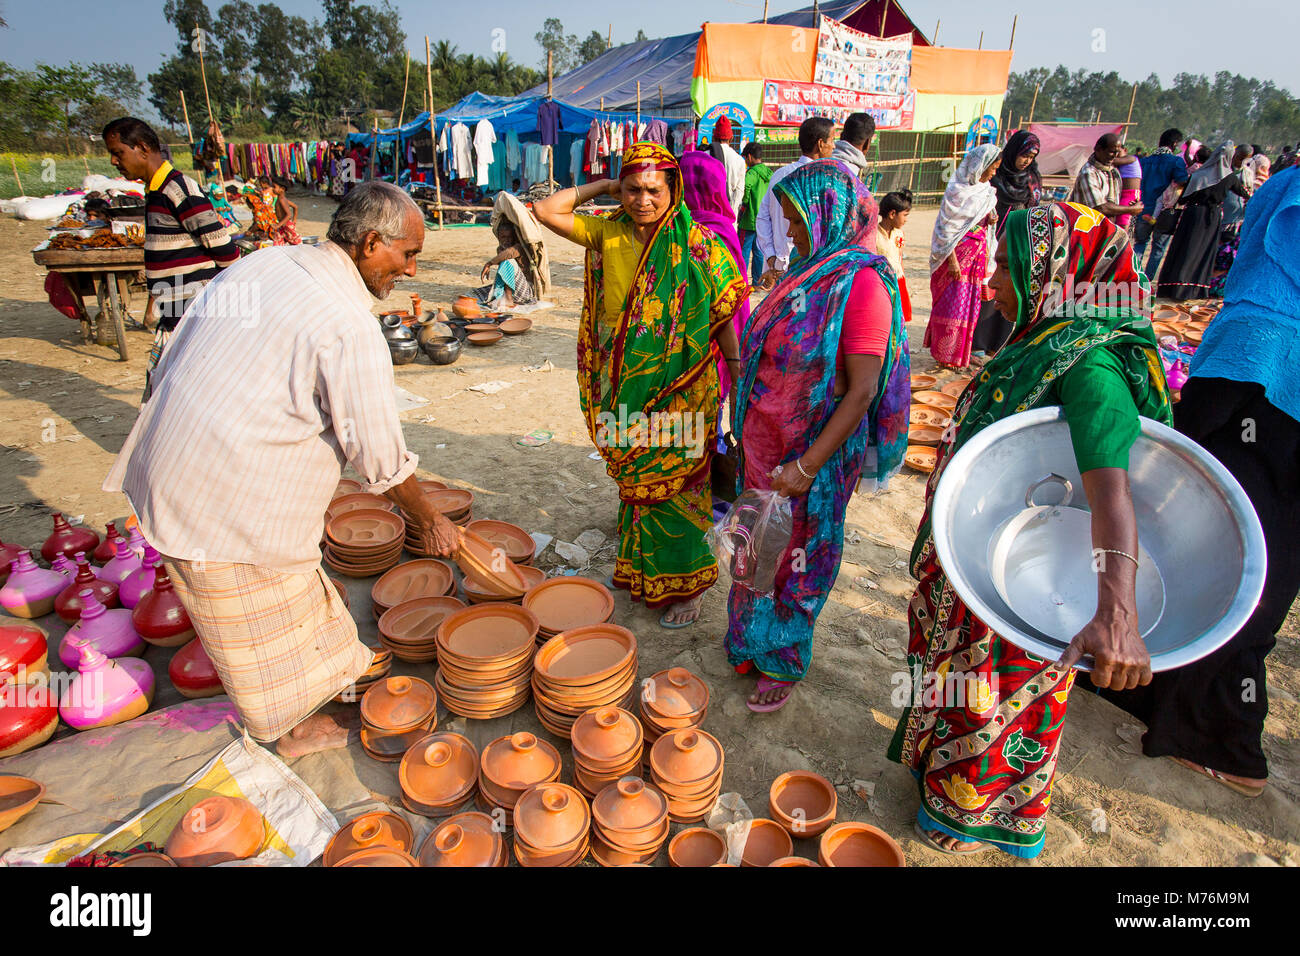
1138	37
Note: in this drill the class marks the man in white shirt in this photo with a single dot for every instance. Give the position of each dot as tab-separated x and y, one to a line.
815	142
732	162
278	375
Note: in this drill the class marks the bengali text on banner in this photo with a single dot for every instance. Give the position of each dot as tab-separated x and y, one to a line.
790	102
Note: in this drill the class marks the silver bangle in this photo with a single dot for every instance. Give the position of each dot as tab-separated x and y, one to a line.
1125	554
799	464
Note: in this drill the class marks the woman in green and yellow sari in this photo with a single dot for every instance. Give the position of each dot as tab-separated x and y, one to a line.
659	295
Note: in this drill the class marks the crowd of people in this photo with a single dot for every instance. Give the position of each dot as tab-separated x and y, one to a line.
814	384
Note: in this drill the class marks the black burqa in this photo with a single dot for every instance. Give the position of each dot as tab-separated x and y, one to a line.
1016	189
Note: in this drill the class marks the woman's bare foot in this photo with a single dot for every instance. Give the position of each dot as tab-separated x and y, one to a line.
951	843
1240	784
317	733
683	612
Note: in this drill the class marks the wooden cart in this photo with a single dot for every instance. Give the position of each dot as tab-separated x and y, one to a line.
103	272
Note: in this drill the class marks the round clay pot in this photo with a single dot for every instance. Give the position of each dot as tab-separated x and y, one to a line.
106	691
804	803
68	540
30	590
466	307
192	672
551	818
858	844
398	704
793	861
767	841
159	617
519	761
467	839
697	846
106	550
72	599
18	797
629	807
686	758
24	650
216	830
378	829
439	770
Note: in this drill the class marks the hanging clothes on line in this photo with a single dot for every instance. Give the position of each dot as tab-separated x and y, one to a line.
576	157
548	121
462	166
484	138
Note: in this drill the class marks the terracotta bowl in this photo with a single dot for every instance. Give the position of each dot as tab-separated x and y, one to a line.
697	846
858	844
955	387
486	338
767	841
516	326
804	803
793	861
216	830
18	796
473	327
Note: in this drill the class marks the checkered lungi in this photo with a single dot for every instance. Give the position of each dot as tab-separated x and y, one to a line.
283	644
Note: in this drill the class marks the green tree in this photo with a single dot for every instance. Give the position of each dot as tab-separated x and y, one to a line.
58	90
591	47
563	49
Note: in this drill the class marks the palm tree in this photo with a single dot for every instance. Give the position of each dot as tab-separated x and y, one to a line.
445	61
501	72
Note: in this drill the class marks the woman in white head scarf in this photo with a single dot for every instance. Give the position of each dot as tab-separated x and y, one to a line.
961	256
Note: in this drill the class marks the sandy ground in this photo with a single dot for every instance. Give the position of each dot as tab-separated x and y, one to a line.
65	409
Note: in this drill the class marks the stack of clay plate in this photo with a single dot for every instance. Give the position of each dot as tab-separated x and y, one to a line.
487	568
426	577
358	501
477	595
370	830
517	543
561	604
512	764
935	399
954	388
455	506
395	713
485	660
581	669
552	826
379	669
674	699
607	746
629	823
438	774
410	630
686	765
927	415
346	486
924	435
467	839
364	543
921	458
921	381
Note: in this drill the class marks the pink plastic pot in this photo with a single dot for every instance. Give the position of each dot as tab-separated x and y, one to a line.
106	691
30	590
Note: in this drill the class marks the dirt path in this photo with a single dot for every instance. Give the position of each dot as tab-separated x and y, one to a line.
65	409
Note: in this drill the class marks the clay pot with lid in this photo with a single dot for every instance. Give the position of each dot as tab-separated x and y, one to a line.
606	737
30	590
123	564
631	816
518	761
438	773
217	829
105	691
767	841
370	830
802	802
398	704
697	846
858	844
68	540
675	698
106	550
467	839
192	672
159	617
71	600
686	758
551	818
108	631
140	581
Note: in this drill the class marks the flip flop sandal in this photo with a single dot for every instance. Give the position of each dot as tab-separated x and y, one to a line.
766	683
674	625
934	844
1244	789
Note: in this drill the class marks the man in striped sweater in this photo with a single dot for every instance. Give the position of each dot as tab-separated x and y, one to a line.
186	241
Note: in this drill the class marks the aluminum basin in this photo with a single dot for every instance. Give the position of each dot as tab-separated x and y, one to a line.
1193	518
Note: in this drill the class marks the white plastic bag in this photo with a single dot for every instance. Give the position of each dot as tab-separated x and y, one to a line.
752	537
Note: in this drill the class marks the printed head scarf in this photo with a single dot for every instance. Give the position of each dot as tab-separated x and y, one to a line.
645	158
1018	187
966	203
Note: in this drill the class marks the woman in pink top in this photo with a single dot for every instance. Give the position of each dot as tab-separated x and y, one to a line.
1130	185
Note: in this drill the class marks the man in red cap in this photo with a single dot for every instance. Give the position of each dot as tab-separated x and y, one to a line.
722	150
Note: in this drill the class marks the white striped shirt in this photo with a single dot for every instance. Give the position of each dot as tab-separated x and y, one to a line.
278	374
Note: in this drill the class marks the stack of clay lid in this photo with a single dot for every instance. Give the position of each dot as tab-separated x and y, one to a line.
379	668
438	774
467	839
512	764
552	826
956	386
803	802
410	630
517	543
858	844
629	823
532	577
426	577
365	542
581	669
395	713
455	505
485	660
935	399
346	486
488	567
368	831
687	766
607	746
358	501
674	699
767	841
561	604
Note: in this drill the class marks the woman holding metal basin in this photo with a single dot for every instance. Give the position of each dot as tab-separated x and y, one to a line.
985	720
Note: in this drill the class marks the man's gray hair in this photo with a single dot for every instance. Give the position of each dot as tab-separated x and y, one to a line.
375	206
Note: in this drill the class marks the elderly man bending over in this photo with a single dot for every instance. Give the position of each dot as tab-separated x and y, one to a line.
278	375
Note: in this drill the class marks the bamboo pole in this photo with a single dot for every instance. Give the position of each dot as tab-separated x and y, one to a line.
550	79
405	85
602	104
661	98
189	134
916	148
884	12
1131	101
764	11
934	40
1034	103
203	72
550	150
433	127
609	40
638	102
14	164
1014	21
981	46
